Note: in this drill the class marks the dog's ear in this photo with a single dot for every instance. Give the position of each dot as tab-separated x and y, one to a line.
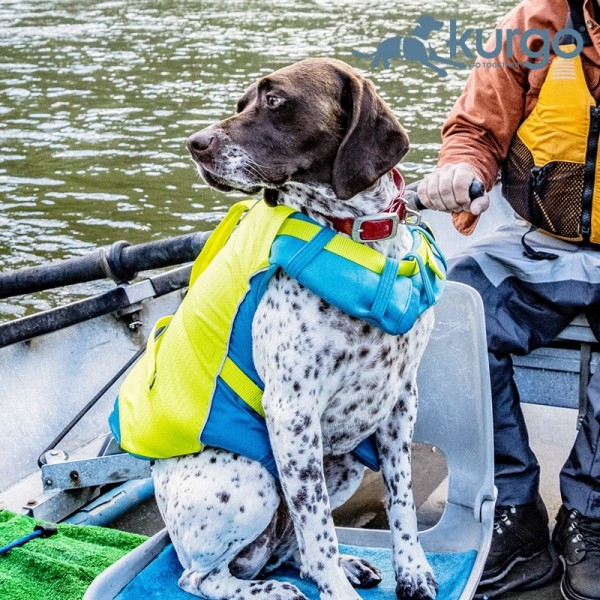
373	143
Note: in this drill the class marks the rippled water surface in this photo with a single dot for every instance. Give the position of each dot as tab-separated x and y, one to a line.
96	100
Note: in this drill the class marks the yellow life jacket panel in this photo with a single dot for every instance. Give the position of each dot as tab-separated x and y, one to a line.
165	401
551	175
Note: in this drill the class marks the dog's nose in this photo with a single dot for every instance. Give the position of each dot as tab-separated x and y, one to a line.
200	142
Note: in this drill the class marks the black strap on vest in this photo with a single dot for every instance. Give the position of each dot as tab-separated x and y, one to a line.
537	187
576	21
530	252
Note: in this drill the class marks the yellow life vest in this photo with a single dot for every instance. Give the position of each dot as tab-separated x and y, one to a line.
164	402
197	384
551	176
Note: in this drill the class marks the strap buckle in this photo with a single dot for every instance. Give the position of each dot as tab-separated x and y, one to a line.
412	217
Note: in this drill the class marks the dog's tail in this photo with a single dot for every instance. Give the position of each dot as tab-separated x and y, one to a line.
363	55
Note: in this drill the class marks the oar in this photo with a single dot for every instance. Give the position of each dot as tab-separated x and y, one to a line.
25	328
120	262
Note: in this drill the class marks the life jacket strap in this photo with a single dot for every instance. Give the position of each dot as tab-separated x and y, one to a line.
243	386
385	289
309	252
362	255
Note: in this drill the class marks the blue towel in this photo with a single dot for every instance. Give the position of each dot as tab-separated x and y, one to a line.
158	581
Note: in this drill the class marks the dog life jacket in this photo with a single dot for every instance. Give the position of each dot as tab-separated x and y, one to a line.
197	384
551	175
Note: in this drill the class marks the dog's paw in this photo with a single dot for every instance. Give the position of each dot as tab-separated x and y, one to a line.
280	591
360	573
412	584
271	590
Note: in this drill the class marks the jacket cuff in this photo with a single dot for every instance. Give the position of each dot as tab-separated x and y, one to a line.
465	222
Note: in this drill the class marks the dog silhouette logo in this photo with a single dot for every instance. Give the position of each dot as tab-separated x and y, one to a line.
412	47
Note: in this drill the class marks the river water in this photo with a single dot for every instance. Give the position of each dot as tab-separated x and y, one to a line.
97	99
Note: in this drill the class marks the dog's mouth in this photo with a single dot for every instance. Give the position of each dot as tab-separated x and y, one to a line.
213	180
223	184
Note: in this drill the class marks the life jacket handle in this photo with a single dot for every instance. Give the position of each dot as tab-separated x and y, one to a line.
154	341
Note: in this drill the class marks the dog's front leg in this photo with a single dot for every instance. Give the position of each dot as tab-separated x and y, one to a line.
295	436
414	576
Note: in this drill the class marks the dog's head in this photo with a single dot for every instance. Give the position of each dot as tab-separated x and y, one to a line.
315	122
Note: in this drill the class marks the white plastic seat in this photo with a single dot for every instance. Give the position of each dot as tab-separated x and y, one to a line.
455	415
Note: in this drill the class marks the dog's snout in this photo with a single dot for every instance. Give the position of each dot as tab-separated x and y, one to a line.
200	142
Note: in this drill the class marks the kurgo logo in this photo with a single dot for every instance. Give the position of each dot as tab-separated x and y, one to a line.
536	44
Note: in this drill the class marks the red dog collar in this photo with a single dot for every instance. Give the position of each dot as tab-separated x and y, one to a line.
383	225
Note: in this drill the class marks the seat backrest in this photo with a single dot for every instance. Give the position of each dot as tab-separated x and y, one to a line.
454	397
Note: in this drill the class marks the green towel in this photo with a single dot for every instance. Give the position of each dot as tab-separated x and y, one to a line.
60	567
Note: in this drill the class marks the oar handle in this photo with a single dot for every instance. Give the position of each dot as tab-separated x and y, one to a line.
121	262
476	190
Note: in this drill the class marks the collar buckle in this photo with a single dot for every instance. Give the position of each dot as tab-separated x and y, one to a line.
375	228
384	225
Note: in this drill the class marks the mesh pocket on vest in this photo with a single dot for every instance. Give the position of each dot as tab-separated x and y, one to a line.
549	197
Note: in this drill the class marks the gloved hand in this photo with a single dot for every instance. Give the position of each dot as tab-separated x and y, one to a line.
447	189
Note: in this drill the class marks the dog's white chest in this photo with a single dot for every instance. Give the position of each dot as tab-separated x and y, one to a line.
337	368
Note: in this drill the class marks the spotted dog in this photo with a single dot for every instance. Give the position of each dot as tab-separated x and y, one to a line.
314	136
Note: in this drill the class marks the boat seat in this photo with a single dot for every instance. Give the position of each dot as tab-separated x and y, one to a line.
570	360
454	415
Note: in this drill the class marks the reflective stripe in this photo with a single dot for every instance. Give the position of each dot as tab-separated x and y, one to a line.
359	254
427	254
243	386
342	246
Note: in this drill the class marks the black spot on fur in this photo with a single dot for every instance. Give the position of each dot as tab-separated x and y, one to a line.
339	360
223	497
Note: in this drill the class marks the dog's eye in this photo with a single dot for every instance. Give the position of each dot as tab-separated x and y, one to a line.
273	100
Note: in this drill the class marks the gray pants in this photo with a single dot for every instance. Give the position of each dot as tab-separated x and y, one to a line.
527	303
